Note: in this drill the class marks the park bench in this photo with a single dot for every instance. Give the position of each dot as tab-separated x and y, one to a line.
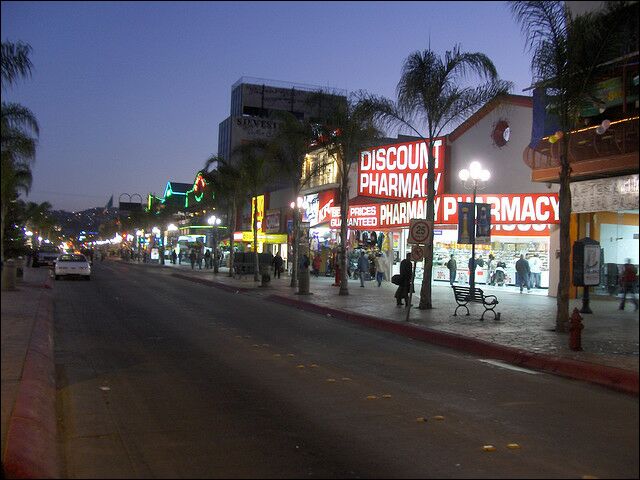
466	295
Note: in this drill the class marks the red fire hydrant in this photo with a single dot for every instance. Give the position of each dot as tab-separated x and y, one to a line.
575	331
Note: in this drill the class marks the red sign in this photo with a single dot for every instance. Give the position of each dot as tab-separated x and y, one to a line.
506	209
400	170
511	214
326	201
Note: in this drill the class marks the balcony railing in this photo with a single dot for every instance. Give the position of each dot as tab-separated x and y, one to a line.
620	139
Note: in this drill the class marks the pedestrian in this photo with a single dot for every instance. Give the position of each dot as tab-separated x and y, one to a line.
199	259
207	259
338	269
452	266
405	282
174	256
536	271
363	267
523	270
628	281
192	258
317	262
304	262
381	264
277	263
491	269
180	255
472	268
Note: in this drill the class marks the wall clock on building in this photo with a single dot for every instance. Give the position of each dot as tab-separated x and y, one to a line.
501	133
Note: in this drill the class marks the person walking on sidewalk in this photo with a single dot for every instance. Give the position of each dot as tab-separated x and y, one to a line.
405	281
536	271
174	256
338	269
363	267
628	282
277	265
207	259
317	262
523	270
192	258
452	266
380	262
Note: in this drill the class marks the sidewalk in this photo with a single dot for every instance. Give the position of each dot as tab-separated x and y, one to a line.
609	338
29	424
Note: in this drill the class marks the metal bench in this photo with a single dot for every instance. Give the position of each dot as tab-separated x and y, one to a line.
466	295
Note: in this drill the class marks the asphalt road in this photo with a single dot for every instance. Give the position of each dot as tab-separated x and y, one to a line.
162	377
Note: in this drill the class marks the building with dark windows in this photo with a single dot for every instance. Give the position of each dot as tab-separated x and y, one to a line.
255	103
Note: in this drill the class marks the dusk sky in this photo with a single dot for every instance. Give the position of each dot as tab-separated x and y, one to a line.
129	95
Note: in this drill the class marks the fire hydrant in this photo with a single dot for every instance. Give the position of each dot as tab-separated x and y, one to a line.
575	331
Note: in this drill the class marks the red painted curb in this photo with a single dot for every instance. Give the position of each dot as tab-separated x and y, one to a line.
615	378
31	449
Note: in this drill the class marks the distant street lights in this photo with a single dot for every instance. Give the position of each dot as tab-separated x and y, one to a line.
471	177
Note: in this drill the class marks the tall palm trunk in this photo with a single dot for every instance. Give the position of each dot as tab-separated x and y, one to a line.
254	227
344	213
425	290
4	213
564	196
232	227
295	250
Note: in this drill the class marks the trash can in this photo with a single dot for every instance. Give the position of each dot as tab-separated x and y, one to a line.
20	267
265	275
303	281
9	275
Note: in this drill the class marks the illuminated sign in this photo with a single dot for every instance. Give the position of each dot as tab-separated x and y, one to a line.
262	237
509	213
259	210
272	221
400	170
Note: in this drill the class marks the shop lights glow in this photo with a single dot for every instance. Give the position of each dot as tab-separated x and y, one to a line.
593	127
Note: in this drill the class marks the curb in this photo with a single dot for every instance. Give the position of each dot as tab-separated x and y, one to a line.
31	449
618	379
211	283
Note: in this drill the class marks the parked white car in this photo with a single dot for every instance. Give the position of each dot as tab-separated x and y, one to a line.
72	264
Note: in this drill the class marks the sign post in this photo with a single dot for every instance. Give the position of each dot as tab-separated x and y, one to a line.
420	236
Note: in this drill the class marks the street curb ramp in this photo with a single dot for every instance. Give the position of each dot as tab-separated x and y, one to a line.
625	381
31	449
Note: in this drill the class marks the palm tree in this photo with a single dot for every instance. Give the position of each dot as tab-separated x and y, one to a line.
15	62
256	171
437	93
348	130
568	55
18	127
229	191
288	151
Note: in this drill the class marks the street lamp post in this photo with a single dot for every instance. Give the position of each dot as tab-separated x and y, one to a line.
475	173
214	222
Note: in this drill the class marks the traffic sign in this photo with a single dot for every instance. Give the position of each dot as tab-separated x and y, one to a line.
420	231
417	253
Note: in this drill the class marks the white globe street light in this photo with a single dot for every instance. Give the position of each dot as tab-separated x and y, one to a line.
478	176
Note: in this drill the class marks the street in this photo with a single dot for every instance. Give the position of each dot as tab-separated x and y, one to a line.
162	377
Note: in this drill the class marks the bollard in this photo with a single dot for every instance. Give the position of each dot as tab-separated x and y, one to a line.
303	282
575	331
20	268
265	275
9	275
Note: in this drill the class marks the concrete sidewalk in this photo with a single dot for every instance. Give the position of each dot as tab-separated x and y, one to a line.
29	423
609	338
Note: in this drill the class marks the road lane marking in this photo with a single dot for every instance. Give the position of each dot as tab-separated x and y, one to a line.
508	367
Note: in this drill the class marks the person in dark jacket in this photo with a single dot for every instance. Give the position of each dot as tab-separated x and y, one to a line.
192	258
523	271
405	281
452	266
277	263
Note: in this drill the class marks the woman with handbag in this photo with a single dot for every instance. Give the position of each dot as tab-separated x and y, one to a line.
404	283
